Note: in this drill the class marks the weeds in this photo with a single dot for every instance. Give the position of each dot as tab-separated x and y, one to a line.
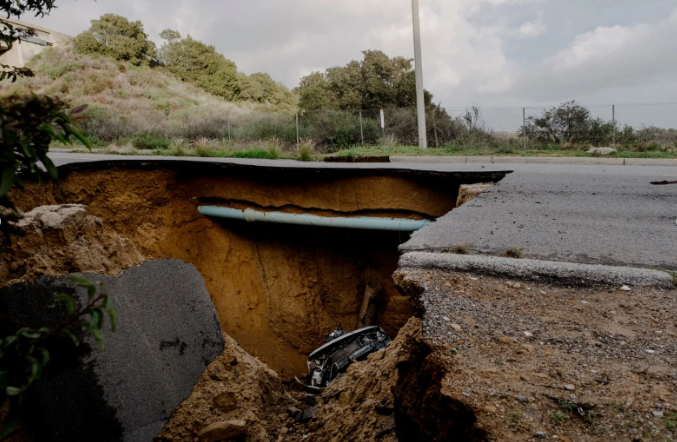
514	421
671	423
560	417
204	147
514	252
461	249
306	151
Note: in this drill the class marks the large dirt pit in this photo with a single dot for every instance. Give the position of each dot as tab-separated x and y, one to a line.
278	289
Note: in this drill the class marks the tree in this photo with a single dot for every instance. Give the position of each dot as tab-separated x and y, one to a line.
261	88
567	123
377	81
115	36
198	63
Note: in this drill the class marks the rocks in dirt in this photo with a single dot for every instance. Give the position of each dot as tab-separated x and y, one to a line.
249	391
541	435
223	430
305	415
625	288
570	387
456	327
469	192
226	401
56	240
167	333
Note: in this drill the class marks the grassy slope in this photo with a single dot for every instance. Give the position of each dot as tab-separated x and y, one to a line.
122	98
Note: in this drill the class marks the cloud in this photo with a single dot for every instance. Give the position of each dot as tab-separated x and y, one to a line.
490	52
607	59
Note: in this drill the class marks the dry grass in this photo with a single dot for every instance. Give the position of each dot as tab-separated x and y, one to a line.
390	141
127	101
204	147
306	150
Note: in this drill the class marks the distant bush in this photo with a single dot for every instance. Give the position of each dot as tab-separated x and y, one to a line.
252	153
148	142
115	36
199	63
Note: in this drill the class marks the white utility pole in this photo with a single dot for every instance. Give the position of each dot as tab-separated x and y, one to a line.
420	99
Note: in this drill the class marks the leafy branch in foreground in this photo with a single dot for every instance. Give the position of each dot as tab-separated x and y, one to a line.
24	355
27	127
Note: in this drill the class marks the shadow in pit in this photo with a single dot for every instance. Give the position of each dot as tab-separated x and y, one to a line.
422	412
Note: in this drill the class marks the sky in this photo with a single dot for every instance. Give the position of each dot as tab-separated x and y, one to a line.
490	53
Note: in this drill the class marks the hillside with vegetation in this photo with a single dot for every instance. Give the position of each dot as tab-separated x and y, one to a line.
185	98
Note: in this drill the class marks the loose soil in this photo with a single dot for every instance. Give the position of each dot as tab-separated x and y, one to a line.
359	406
533	360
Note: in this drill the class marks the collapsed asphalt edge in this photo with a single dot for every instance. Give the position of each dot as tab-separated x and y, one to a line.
543	271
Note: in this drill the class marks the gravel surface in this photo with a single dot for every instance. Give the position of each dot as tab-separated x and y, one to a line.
583	364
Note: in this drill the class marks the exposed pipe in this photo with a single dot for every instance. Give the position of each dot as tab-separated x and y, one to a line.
367	223
368	311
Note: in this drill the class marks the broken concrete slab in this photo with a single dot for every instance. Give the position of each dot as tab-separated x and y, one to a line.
168	333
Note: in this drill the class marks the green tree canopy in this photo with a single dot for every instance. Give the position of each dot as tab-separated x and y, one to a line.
375	82
199	63
115	36
262	88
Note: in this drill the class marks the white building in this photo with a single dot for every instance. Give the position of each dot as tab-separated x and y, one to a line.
29	43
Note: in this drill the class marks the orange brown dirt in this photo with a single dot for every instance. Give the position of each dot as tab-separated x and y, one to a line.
56	240
278	290
358	407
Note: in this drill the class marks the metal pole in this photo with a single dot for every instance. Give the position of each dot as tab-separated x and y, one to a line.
420	99
524	128
613	118
229	128
437	144
298	141
383	126
361	129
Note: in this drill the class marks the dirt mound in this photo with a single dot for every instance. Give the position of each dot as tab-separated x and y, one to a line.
360	406
235	387
56	240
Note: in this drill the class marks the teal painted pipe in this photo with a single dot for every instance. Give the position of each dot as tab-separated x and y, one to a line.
367	223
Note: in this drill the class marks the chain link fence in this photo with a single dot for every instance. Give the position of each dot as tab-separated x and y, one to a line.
639	126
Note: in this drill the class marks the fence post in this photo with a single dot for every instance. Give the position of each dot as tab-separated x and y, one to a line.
164	119
613	119
437	145
383	126
524	128
228	127
361	129
298	140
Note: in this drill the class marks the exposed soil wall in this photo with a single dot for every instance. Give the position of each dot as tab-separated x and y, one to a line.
278	290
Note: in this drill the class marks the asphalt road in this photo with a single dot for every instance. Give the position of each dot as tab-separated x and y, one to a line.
587	214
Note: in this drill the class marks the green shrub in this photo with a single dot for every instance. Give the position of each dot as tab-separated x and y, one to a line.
148	142
115	36
252	153
199	63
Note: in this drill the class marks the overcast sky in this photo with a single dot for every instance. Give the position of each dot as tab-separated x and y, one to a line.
484	52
